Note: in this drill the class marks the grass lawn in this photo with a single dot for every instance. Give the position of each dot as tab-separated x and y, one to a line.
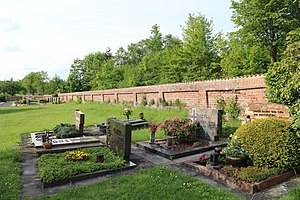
155	183
18	120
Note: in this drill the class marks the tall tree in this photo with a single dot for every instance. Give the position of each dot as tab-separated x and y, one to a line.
77	79
197	53
56	85
268	21
35	82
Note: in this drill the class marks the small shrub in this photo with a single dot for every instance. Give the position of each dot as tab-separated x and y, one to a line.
270	143
232	109
66	131
220	103
79	100
295	113
144	101
151	102
3	97
22	101
43	101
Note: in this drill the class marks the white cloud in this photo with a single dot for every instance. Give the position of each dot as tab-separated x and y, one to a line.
9	25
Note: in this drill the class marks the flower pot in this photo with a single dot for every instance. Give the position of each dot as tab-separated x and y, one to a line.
236	162
47	145
169	142
152	137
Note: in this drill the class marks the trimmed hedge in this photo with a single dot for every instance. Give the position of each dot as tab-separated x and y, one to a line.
270	143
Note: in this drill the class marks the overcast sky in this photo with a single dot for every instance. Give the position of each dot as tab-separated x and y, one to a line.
48	35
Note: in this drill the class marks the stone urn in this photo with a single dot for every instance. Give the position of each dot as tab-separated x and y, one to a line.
236	162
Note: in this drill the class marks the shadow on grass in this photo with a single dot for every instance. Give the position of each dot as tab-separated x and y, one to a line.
18	109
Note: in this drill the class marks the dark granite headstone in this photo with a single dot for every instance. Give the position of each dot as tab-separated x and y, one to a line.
79	121
210	120
119	137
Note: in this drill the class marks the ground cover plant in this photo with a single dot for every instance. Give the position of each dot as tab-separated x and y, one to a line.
151	183
56	167
15	121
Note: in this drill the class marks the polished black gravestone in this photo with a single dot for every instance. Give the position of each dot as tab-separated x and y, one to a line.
119	137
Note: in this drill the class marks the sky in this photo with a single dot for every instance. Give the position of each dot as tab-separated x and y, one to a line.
48	35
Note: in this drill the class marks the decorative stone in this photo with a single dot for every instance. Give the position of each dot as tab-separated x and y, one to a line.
264	110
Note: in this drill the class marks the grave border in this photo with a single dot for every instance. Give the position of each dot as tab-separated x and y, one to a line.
248	187
171	154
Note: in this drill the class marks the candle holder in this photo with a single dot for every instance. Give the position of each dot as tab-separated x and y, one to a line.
100	158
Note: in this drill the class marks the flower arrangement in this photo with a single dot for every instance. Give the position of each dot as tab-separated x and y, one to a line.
234	148
180	128
153	127
77	156
47	139
203	158
127	112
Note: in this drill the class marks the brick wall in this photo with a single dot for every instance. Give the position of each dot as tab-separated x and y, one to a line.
195	94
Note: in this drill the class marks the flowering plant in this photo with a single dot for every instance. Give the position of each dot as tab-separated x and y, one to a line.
234	148
47	139
180	128
77	156
153	127
127	112
203	158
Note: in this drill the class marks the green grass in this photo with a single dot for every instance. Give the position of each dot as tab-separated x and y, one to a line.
293	194
18	120
15	121
155	183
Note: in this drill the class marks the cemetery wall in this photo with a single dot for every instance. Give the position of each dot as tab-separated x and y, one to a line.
203	94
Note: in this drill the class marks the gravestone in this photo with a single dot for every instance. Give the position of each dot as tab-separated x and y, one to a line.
119	137
264	110
79	121
210	120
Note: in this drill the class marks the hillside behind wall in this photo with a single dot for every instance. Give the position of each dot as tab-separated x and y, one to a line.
195	94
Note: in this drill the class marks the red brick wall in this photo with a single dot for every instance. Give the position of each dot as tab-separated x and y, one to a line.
194	94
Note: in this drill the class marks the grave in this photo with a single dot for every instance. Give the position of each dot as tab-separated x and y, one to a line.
210	120
264	110
79	121
119	137
135	124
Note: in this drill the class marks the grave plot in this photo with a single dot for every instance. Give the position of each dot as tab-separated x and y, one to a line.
188	136
74	159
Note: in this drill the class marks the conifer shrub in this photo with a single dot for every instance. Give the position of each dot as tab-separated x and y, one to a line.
270	143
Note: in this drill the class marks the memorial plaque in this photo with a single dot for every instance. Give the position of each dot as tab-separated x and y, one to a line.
119	137
79	121
210	120
264	110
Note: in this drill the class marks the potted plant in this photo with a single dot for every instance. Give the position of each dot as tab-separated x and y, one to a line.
47	143
153	129
127	112
235	153
202	160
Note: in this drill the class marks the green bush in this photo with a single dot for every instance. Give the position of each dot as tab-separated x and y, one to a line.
66	131
232	109
270	143
144	101
43	101
152	102
3	97
79	100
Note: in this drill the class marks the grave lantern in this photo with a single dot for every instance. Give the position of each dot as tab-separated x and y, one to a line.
141	115
100	158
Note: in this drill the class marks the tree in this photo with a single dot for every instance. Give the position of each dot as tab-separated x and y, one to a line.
282	79
35	82
197	53
267	21
56	85
77	79
242	56
10	87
